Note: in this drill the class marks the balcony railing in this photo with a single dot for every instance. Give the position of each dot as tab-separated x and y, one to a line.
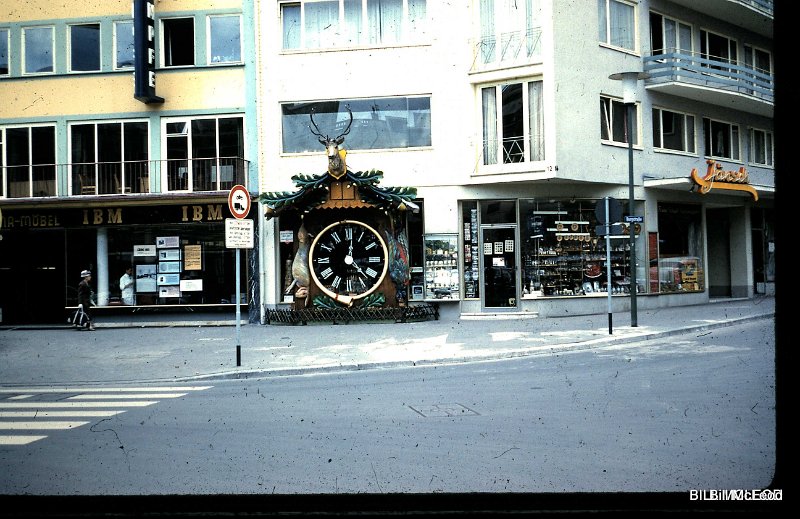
511	48
708	71
127	177
513	150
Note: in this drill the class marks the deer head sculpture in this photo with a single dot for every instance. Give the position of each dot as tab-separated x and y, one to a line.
336	157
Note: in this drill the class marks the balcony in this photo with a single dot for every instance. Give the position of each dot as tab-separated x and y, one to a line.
753	15
507	50
714	81
124	178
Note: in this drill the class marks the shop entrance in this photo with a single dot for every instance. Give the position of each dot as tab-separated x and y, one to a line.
499	258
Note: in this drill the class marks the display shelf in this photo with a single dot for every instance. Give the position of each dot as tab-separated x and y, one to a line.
441	267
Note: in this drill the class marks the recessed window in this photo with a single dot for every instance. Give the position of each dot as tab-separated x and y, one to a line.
762	151
721	139
513	123
178	42
123	44
225	42
673	131
617	23
30	154
4	52
84	45
614	121
38	49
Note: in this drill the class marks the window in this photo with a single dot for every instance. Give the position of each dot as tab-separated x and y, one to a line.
4	52
673	131
378	123
345	23
668	36
513	123
84	45
614	122
721	139
617	23
225	42
205	154
178	42
30	161
762	151
109	158
510	30
717	48
123	44
676	263
38	49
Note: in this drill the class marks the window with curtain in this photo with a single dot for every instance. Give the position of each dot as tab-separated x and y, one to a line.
668	35
762	150
510	30
512	123
310	24
617	23
29	160
614	121
721	139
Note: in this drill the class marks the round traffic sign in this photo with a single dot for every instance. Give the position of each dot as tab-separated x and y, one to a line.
239	201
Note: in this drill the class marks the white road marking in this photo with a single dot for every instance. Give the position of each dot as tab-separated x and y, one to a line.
39	425
58	414
19	439
123	397
65	389
62	405
21	397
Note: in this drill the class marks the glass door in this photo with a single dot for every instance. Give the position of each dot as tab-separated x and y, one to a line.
499	256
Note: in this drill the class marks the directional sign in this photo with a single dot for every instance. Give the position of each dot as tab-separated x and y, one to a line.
239	201
634	219
614	210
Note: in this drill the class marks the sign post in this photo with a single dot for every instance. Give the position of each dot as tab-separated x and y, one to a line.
238	235
610	211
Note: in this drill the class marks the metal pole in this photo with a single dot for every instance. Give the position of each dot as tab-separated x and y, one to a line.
238	311
608	265
631	226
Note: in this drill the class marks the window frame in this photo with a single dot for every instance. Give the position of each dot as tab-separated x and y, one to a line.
25	50
607	30
7	41
769	147
210	40
610	122
658	145
71	46
500	151
4	149
498	31
116	65
678	23
709	141
163	22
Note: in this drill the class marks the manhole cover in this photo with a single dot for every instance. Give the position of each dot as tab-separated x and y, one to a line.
443	410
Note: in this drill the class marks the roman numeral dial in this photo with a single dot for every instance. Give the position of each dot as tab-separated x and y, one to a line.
348	260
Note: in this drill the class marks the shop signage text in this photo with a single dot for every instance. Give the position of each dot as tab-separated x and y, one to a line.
213	213
30	220
716	177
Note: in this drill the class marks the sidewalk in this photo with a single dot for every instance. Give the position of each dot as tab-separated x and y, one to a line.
192	348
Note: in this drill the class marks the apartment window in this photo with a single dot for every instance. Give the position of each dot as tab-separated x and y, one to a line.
758	59
84	45
762	150
510	30
123	44
109	158
617	21
205	154
721	139
341	23
513	123
37	49
225	39
673	131
30	153
614	121
378	123
669	36
4	52
178	42
717	48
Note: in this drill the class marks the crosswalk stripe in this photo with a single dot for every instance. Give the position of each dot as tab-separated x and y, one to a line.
123	397
39	425
58	414
67	389
78	404
13	439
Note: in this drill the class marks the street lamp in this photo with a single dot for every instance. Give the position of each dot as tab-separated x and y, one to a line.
630	84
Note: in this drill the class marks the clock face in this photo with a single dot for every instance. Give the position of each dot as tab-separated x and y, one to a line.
348	260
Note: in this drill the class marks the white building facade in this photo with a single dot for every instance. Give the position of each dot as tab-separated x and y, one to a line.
502	114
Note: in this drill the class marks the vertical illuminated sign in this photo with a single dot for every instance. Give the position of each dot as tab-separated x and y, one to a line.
144	46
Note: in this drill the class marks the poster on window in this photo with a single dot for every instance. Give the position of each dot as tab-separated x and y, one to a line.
192	257
509	245
169	279
170	291
498	247
166	242
169	266
487	249
169	254
145	278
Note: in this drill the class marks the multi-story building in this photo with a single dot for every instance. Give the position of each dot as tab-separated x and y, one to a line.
505	117
124	125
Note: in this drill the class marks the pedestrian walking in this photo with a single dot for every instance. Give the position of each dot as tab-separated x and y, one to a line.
85	298
126	286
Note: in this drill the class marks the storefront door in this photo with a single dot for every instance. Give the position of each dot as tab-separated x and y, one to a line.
500	274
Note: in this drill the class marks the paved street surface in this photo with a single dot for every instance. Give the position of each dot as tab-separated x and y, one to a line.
190	347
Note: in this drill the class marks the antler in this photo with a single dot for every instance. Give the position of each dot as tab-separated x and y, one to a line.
318	132
346	130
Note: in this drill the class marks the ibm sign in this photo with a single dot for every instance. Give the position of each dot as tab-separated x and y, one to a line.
144	47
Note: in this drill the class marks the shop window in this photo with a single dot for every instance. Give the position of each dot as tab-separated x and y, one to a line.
378	123
347	23
617	23
513	123
4	69
37	50
678	265
123	44
30	169
178	42
205	154
721	139
225	39
510	31
762	147
614	121
441	267
84	47
109	158
673	131
471	258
